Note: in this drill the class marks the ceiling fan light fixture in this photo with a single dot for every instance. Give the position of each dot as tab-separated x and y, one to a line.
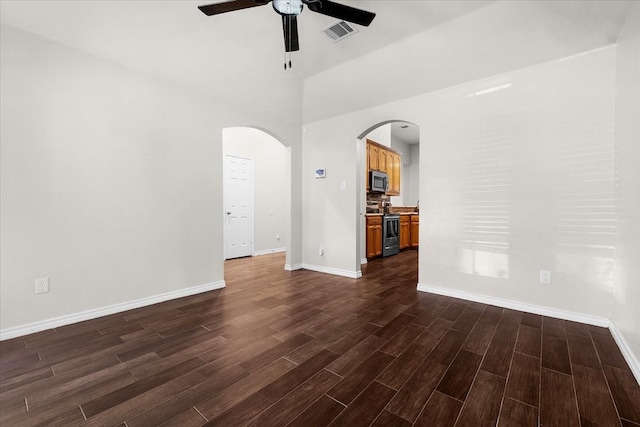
288	7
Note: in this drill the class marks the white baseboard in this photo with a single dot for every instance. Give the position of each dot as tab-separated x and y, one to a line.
292	267
56	322
269	251
363	261
516	305
334	271
631	359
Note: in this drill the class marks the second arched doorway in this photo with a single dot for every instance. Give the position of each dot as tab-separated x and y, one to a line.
398	141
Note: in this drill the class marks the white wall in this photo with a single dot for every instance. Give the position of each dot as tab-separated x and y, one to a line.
405	152
271	185
626	305
520	180
413	173
504	35
381	135
109	182
324	202
505	168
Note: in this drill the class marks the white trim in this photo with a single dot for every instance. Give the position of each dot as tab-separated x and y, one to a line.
56	322
334	271
290	267
269	251
631	359
363	261
517	305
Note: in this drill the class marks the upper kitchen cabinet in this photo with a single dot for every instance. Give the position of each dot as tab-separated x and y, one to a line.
382	159
393	169
373	155
376	157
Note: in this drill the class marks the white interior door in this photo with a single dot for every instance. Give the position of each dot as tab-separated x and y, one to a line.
238	205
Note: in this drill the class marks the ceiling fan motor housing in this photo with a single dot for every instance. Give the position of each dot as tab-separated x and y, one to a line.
288	7
289	11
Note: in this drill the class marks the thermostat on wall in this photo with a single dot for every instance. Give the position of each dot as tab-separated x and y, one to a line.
321	173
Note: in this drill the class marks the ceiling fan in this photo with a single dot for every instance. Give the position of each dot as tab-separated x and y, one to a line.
289	10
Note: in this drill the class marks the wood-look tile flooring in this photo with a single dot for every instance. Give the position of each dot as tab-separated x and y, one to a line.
301	348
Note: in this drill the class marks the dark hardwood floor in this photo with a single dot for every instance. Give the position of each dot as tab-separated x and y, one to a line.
278	348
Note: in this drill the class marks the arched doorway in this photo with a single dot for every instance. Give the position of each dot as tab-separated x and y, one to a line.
268	161
403	138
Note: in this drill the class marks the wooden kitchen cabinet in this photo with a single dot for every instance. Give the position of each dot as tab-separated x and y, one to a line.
373	154
415	230
382	159
405	231
393	170
374	236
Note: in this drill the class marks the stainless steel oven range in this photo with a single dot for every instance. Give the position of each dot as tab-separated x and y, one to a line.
390	235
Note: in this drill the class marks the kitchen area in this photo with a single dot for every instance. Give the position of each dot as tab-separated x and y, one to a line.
390	227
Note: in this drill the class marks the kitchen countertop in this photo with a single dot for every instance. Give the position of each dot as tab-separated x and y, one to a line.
396	210
391	213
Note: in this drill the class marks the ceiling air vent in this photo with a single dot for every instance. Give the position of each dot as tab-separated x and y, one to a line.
338	31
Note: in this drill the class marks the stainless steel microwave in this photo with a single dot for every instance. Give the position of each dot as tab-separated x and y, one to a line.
378	182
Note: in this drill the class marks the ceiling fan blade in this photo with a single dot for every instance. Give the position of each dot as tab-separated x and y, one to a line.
290	29
230	6
341	11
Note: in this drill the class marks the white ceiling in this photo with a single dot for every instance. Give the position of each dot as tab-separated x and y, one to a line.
173	39
489	42
406	132
218	54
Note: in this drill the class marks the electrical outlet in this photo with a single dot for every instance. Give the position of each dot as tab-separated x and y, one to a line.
42	285
277	236
321	251
545	276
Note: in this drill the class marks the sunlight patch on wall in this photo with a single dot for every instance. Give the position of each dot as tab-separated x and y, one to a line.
585	212
485	246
